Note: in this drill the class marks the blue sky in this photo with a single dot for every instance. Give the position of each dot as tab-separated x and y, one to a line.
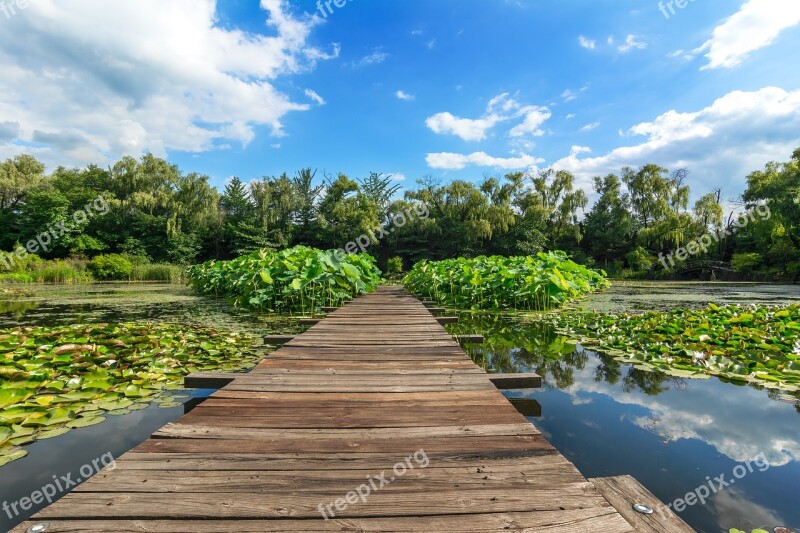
452	89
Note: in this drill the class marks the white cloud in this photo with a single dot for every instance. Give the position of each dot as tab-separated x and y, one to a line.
569	95
96	80
756	25
451	161
570	116
397	176
315	97
465	128
720	145
375	58
590	127
501	108
431	44
632	42
535	116
587	43
402	95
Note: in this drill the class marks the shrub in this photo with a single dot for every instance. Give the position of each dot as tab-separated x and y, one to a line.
298	279
394	266
111	267
746	263
539	282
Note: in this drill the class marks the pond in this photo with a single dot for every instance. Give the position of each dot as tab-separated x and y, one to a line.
673	435
42	305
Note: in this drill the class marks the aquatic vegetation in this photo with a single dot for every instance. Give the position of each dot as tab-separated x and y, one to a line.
759	344
539	282
297	279
56	379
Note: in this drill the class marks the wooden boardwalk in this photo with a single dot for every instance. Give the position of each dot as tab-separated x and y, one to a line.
377	384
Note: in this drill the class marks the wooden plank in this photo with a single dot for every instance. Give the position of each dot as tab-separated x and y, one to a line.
447	320
208	380
591	520
516	381
277	340
624	491
470	339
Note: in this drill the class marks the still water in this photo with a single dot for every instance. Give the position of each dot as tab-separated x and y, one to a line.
671	434
608	418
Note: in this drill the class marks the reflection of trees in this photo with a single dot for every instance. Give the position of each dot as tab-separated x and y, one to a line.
513	344
651	383
609	370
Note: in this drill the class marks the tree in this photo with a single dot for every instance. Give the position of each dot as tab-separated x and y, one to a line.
608	228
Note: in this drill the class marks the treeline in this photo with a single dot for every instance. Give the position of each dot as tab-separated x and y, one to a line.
640	216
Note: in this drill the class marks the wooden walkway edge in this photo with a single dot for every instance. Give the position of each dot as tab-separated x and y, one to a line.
374	420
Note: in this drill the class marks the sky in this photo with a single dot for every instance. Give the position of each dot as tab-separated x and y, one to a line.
454	89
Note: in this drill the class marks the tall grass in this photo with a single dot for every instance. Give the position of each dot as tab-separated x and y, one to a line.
164	273
62	272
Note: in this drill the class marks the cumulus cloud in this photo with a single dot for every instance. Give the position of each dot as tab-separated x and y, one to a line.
720	144
762	21
451	161
90	81
501	108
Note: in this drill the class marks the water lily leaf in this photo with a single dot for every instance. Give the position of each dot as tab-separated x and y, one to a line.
119	412
8	455
5	434
83	422
13	396
52	433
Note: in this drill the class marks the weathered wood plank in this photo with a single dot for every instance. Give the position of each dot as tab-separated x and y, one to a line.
592	520
624	491
516	381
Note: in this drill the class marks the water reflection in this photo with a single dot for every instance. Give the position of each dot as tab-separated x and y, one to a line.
670	433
